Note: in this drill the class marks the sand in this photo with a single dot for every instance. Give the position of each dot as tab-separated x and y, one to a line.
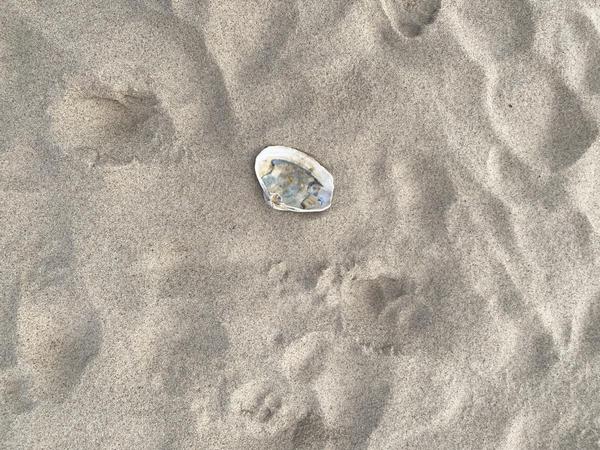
450	298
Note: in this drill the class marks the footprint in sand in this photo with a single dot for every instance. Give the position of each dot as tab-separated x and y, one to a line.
525	347
541	120
530	109
57	330
554	239
349	392
422	192
179	345
102	125
409	17
558	418
253	44
269	410
13	392
382	313
148	106
246	38
58	336
263	413
13	399
492	30
570	41
327	393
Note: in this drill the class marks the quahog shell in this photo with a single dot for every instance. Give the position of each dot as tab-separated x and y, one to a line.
292	180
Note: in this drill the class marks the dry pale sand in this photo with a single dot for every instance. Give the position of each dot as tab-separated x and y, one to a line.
449	299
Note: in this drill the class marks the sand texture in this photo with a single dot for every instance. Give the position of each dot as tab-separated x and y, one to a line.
449	298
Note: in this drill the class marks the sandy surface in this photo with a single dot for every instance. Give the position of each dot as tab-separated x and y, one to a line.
450	298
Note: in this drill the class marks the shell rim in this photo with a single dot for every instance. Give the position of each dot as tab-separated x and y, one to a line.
297	157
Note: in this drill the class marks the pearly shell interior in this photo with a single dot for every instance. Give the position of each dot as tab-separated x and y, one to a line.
292	180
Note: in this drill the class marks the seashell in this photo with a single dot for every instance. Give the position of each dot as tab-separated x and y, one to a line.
293	181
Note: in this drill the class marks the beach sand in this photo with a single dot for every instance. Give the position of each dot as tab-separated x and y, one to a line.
449	298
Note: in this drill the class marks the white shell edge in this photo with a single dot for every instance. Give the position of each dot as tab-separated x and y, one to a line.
263	163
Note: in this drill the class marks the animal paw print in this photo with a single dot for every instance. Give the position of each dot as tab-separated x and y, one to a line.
267	408
318	284
380	311
261	408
